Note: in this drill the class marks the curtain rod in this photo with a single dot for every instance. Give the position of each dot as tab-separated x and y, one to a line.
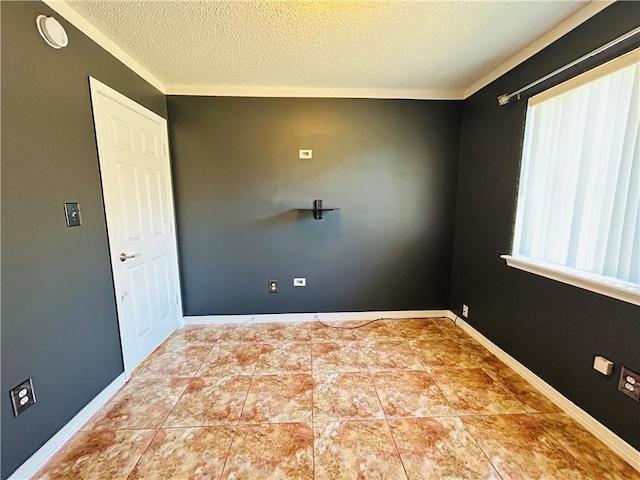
506	98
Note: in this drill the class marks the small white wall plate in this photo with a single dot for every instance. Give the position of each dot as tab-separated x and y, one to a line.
603	365
52	32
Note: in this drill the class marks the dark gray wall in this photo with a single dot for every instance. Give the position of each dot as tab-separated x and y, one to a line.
552	328
389	164
59	321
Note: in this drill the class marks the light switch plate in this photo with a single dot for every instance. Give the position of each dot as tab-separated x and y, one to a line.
305	154
72	214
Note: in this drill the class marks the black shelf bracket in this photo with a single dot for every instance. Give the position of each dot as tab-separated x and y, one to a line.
318	209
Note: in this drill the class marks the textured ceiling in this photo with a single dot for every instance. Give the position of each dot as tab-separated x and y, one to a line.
438	46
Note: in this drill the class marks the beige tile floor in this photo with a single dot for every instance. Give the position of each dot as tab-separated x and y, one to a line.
397	399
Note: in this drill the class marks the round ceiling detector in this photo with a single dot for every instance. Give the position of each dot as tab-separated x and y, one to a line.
52	32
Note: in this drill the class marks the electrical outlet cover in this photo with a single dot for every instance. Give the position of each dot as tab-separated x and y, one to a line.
273	286
629	383
22	397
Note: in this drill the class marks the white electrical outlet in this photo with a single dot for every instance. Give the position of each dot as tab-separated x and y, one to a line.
300	282
305	154
629	383
465	311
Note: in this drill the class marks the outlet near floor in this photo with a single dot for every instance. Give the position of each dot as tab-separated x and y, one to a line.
22	397
465	311
629	383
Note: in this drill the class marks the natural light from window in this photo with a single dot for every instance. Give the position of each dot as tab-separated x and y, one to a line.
578	211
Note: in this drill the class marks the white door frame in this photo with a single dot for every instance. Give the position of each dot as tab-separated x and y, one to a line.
99	88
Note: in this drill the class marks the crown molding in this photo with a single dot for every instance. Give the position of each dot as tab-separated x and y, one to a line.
77	20
313	92
547	39
62	8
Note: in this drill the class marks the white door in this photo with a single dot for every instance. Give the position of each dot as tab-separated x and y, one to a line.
138	197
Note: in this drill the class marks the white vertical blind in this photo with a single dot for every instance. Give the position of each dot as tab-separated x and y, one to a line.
579	196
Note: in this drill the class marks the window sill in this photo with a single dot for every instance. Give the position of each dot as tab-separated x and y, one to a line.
592	282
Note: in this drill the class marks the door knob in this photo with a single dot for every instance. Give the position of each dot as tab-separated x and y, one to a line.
124	257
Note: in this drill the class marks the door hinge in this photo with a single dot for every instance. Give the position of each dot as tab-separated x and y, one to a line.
171	227
176	298
164	149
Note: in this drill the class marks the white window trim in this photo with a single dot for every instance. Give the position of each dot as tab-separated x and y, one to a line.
585	280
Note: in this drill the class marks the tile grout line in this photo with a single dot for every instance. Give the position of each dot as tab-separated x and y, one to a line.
433	380
555	439
186	388
458	416
498	414
503	388
384	414
237	425
431	377
424	369
253	376
501	384
506	390
386	421
163	421
313	405
495	469
143	454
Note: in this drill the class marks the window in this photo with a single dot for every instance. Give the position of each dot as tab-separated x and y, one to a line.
578	211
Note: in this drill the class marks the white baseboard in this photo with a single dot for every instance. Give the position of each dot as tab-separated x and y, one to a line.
606	436
309	317
29	468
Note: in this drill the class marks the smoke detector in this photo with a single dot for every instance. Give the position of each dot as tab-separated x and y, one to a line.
52	31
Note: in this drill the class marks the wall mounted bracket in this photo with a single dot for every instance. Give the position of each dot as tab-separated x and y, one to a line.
318	209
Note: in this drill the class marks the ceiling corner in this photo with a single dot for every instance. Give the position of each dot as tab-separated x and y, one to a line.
72	16
564	27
